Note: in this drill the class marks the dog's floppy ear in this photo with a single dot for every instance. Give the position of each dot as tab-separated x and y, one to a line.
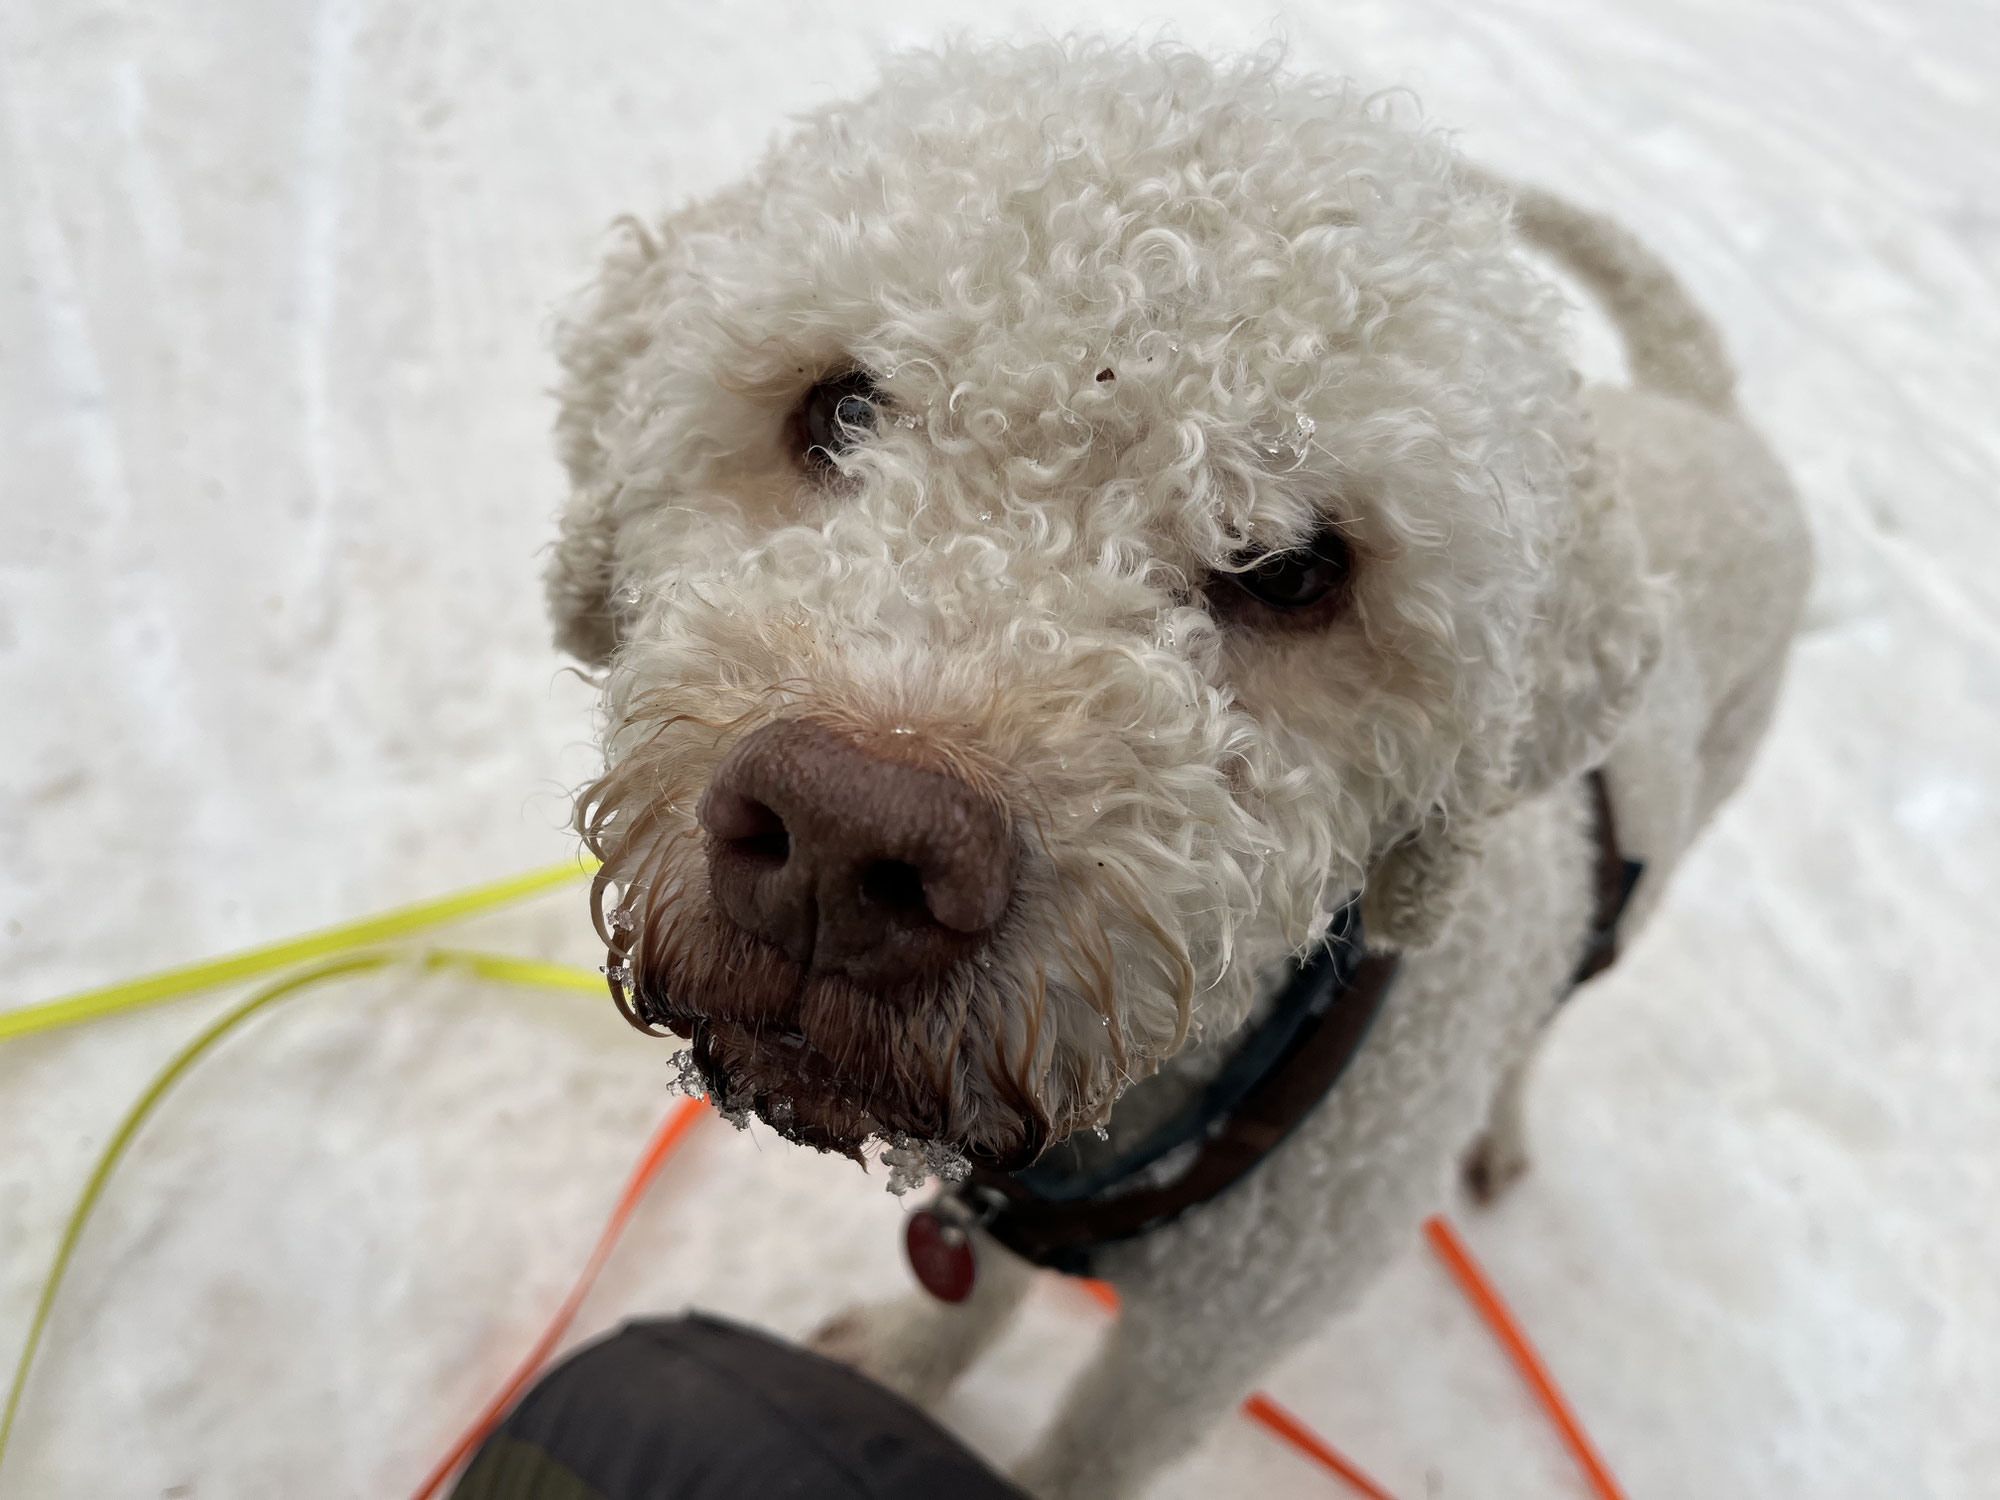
1586	651
1414	886
578	579
1595	637
597	344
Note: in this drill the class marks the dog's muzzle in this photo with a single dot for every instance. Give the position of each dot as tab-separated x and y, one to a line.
851	887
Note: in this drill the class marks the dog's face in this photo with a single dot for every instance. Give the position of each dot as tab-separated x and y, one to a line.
1050	534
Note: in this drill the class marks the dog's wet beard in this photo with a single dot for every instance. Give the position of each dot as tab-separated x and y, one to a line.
822	1060
789	1084
837	1067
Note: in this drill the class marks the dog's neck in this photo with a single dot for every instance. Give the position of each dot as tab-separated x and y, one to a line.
1180	1079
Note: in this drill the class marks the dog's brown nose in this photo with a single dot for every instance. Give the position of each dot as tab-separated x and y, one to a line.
851	860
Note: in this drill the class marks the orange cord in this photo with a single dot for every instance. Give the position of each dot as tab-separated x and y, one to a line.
1274	1419
680	1119
1479	1291
1280	1423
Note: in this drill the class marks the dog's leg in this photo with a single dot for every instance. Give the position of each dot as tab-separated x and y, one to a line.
1172	1367
1498	1156
917	1346
1154	1391
1208	1303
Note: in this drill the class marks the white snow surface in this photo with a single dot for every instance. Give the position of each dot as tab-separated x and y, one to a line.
275	477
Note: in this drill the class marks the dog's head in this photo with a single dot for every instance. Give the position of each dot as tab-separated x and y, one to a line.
1062	526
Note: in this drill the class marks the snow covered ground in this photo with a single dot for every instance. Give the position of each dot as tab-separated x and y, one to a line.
274	472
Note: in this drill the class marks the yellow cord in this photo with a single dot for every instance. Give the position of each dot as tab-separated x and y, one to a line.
171	984
499	967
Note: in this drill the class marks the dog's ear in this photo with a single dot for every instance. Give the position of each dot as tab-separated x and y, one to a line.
597	343
1595	637
1586	651
1414	886
579	579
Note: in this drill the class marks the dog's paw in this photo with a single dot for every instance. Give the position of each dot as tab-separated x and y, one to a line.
843	1338
1491	1167
890	1344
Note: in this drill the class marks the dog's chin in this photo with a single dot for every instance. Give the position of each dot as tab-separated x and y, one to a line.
826	1084
796	1089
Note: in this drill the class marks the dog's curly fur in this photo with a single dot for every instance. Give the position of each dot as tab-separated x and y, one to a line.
1140	321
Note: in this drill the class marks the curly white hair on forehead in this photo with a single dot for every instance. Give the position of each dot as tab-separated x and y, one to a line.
1109	340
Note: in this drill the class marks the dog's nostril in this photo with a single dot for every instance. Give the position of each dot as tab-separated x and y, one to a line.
894	885
775	846
752	828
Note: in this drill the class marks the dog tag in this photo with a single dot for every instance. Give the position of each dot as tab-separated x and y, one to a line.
941	1255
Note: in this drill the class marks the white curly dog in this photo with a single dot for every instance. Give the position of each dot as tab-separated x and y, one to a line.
1050	536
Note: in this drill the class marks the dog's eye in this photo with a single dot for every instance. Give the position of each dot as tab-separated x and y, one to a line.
837	414
1298	579
1293	581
